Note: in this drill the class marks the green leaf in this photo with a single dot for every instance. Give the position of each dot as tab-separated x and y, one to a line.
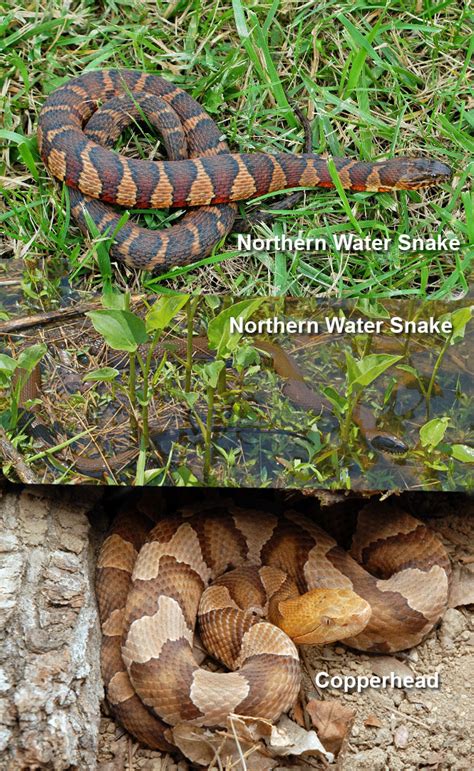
28	159
372	308
103	374
339	402
463	453
244	357
29	358
334	174
27	361
163	311
370	367
212	371
315	438
122	330
184	477
433	432
360	41
460	319
219	334
115	300
411	370
7	364
189	397
7	368
351	367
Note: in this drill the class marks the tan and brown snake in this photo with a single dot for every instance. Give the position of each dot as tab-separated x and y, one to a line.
384	595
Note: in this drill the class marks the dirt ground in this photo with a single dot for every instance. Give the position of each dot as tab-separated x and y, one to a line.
395	729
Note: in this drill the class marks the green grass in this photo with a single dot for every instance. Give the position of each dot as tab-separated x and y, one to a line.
377	78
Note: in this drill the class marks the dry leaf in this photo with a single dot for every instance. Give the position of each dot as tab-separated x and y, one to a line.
256	739
195	743
333	722
462	586
251	729
288	738
204	746
297	714
372	721
433	759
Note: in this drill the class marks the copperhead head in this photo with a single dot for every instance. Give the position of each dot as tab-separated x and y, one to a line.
231	568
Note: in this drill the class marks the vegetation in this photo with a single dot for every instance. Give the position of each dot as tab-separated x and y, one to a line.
210	410
377	79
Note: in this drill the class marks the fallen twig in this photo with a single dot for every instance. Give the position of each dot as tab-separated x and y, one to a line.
10	454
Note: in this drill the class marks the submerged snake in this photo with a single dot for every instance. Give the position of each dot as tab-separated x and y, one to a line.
74	139
295	388
386	595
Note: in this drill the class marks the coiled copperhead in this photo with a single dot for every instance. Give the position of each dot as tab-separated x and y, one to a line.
386	595
202	174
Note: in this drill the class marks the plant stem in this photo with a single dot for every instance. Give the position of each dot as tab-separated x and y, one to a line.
207	438
191	312
146	368
435	372
346	426
222	382
367	346
132	390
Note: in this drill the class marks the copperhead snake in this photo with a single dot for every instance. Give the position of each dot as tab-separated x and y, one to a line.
385	595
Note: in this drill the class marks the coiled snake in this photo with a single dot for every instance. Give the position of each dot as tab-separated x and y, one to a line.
150	586
74	139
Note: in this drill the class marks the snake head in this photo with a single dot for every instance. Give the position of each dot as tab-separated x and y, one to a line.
323	616
390	443
415	173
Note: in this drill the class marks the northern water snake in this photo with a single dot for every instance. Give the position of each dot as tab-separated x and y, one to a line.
208	181
295	388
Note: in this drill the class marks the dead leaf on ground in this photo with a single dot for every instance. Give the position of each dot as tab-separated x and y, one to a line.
284	738
383	666
297	714
372	721
433	759
462	586
204	746
252	729
288	738
333	722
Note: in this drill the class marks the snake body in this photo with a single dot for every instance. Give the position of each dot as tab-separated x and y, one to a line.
295	388
75	146
384	596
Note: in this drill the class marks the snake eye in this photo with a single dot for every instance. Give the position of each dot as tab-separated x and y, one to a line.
389	443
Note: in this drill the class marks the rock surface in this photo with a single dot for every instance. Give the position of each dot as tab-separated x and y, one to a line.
50	686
